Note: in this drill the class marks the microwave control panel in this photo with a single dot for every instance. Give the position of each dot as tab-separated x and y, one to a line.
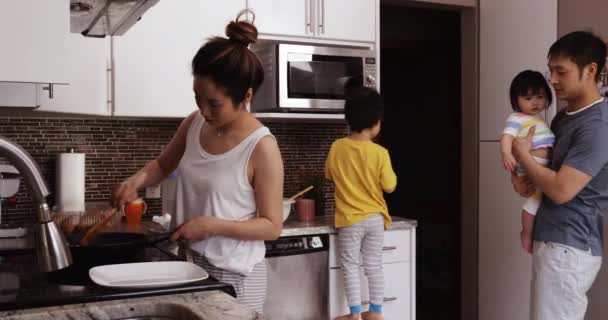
369	72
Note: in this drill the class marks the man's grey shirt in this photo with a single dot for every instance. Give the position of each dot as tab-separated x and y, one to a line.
581	142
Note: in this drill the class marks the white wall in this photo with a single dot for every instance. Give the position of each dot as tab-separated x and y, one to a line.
590	15
514	35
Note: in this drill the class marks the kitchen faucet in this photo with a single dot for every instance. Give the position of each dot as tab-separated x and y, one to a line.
51	248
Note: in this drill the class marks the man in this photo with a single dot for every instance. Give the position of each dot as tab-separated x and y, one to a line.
568	228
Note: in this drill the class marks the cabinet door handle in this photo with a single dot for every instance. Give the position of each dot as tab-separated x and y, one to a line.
307	10
49	87
387	248
386	299
322	23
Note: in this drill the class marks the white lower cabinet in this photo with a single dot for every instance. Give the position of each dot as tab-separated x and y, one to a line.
399	266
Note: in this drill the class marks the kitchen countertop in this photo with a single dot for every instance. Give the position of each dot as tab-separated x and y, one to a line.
210	305
325	225
23	286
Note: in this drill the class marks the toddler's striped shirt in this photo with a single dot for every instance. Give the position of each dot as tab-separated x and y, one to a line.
519	123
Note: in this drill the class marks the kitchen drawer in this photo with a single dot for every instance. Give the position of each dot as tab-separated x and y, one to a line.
397	247
398	292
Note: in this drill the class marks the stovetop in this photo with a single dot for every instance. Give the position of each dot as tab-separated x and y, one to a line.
23	286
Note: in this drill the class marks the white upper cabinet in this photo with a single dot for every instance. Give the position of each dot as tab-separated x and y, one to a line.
342	20
89	79
32	35
508	45
283	18
353	20
17	94
152	60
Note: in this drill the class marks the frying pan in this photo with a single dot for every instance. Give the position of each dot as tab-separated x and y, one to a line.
106	248
113	247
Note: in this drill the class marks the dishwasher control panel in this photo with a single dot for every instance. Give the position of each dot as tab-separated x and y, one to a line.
296	245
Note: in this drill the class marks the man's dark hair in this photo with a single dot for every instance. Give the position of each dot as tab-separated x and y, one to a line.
583	48
526	82
363	108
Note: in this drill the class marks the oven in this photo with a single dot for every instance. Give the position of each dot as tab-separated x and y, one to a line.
297	278
306	78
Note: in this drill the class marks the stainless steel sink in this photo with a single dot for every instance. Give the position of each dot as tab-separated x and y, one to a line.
118	311
209	305
150	318
160	311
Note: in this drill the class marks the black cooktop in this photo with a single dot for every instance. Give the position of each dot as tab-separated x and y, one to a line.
23	286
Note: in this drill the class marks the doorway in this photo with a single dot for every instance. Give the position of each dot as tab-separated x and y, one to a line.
420	54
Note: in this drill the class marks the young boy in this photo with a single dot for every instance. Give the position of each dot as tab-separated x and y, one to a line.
361	170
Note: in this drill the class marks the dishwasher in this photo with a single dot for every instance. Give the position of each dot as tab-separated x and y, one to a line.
298	272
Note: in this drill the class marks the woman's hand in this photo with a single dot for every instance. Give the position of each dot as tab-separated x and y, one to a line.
122	193
197	229
522	185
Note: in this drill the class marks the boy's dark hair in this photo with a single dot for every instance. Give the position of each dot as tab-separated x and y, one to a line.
583	48
363	108
526	82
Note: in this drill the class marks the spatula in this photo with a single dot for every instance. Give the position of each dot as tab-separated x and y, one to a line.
300	193
92	232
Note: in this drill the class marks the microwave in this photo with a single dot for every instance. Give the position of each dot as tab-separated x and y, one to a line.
306	78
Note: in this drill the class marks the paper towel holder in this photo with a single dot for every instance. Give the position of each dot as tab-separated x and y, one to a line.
70	181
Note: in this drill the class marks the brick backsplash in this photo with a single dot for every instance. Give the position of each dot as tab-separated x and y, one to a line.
115	148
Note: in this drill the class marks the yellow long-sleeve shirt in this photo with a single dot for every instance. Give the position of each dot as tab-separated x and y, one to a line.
361	171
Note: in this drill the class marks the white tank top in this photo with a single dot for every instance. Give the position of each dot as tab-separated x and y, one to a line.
217	185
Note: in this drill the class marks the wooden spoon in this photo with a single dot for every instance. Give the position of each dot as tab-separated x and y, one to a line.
301	193
90	235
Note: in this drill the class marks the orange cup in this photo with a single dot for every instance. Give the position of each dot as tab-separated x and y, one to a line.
134	210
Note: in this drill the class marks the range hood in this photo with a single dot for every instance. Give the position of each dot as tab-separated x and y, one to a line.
99	18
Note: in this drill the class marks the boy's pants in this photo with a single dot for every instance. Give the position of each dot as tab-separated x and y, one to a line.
561	277
365	237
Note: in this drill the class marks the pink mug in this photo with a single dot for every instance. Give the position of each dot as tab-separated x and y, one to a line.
305	209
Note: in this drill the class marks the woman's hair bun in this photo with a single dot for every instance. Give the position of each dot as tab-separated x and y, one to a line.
243	32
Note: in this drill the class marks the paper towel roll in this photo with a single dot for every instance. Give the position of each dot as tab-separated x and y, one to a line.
70	182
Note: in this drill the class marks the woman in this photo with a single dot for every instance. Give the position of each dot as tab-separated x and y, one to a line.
230	171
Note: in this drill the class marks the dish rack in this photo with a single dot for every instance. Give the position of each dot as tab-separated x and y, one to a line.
79	222
9	185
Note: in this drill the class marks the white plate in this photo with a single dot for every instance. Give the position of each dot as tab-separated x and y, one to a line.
147	274
12	232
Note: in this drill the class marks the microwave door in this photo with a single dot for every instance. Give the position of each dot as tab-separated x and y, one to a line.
316	81
321	83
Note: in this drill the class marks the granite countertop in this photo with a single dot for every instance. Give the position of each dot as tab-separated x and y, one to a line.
210	305
325	225
23	286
